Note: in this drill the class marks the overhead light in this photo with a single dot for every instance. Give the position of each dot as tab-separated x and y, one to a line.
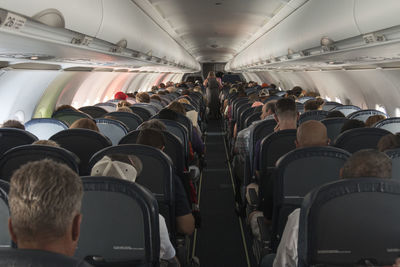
34	57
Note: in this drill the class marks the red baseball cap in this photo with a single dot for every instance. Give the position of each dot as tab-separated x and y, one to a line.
120	95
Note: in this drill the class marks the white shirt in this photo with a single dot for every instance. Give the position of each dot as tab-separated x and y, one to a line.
286	254
167	251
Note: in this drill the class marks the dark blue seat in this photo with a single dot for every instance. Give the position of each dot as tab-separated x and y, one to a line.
252	118
329	105
152	109
131	120
313	115
394	154
360	138
83	143
300	107
173	148
69	116
15	157
11	137
350	221
141	112
346	109
121	225
281	93
113	129
304	99
5	240
364	114
299	172
44	128
240	108
244	114
333	126
390	124
38	258
93	111
156	175
182	119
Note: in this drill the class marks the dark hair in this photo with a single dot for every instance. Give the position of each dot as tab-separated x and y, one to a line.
285	106
373	119
151	137
153	124
143	97
352	124
297	90
389	141
167	114
64	107
13	124
335	114
156	97
313	104
177	107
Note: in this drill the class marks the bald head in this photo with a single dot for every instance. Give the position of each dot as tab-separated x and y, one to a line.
312	133
367	163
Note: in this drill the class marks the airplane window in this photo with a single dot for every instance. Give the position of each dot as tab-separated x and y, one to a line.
397	112
338	100
380	108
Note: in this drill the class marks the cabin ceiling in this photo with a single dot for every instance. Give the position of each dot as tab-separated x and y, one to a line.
212	30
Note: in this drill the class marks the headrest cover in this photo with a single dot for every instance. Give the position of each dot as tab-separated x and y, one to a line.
118	169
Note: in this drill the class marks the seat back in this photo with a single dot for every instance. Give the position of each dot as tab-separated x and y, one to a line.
5	240
141	112
131	120
260	131
300	107
274	146
113	129
329	105
84	143
313	115
243	116
69	116
299	172
149	107
240	108
121	224
346	109
252	118
182	119
363	115
179	131
95	112
333	126
156	174
390	124
108	106
173	148
44	128
38	258
394	155
236	103
350	221
304	99
360	138
16	157
11	137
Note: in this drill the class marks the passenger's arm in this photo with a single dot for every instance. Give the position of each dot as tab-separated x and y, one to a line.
185	224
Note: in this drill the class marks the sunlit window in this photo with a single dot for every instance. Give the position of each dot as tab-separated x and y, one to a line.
338	100
380	108
328	98
397	112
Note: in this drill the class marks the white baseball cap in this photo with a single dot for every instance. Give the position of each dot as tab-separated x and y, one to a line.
113	168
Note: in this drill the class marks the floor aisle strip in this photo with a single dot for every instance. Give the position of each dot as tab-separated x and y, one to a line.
240	221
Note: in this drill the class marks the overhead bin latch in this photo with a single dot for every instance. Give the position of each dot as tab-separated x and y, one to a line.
327	44
373	38
122	44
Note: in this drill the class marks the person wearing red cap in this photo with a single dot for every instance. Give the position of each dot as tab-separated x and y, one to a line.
120	96
264	85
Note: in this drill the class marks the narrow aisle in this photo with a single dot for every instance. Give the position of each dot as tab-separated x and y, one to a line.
219	240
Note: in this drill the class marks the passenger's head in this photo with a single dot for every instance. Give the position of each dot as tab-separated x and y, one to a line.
177	107
120	96
171	89
153	124
184	100
352	124
268	109
168	114
66	107
312	133
156	97
367	163
143	97
13	124
315	104
285	109
123	103
124	109
389	141
45	201
161	85
373	119
46	143
335	114
151	137
85	123
122	166
211	74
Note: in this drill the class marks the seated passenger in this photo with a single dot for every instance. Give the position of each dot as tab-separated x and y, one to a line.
128	167
66	107
389	141
120	96
183	213
315	104
153	124
124	109
373	119
85	123
46	143
352	124
335	114
142	97
364	163
45	201
312	133
13	124
123	103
